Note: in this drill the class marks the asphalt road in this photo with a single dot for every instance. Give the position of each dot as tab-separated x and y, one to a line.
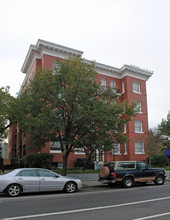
100	202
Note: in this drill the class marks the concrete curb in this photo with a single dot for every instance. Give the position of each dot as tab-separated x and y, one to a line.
87	184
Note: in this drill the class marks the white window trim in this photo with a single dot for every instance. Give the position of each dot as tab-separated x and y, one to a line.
55	151
125	149
123	87
137	93
139	153
76	151
124	129
79	153
140	112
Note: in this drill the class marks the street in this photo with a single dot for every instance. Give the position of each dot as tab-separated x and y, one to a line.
99	202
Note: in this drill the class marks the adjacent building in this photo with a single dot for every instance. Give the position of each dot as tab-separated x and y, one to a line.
130	83
3	150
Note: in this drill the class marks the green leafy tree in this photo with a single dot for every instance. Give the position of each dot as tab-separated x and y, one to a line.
164	128
39	160
107	128
7	111
154	145
68	106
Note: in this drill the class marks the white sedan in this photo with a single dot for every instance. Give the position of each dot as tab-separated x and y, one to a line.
36	180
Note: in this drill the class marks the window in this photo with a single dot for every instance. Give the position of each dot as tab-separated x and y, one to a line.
79	150
138	107
136	87
116	149
123	87
103	84
113	102
46	173
55	147
125	145
56	68
124	129
139	147
27	173
142	165
126	165
113	85
99	155
138	126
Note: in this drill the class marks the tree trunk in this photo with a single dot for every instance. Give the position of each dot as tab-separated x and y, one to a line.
150	162
64	171
88	160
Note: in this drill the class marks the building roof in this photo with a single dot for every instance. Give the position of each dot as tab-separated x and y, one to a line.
45	47
52	49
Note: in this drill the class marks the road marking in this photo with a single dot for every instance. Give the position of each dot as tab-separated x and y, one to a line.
153	216
86	209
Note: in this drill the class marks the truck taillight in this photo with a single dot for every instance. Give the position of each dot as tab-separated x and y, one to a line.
114	174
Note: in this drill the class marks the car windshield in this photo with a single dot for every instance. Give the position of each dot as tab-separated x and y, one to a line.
110	164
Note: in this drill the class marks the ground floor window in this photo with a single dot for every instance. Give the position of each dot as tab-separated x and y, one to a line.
139	147
55	147
79	150
125	145
116	149
99	155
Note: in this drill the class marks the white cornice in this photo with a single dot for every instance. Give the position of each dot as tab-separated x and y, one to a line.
144	73
44	47
125	70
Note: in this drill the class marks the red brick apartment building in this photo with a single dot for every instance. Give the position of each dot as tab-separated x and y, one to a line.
130	82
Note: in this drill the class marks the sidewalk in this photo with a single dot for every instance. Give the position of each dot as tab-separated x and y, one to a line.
168	175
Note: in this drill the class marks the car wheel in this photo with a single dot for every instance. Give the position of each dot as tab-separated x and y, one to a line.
159	180
70	187
13	190
128	182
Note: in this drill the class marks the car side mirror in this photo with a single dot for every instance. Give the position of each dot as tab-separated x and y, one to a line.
57	176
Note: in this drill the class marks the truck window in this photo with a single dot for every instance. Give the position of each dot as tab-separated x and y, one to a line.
142	165
126	165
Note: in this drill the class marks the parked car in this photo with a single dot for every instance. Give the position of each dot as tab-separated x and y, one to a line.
36	180
130	172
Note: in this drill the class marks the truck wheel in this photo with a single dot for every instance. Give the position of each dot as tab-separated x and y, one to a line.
159	180
128	182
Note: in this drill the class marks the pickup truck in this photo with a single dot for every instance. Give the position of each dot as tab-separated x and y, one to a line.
130	172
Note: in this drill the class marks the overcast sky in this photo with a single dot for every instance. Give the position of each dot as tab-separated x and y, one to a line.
112	32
